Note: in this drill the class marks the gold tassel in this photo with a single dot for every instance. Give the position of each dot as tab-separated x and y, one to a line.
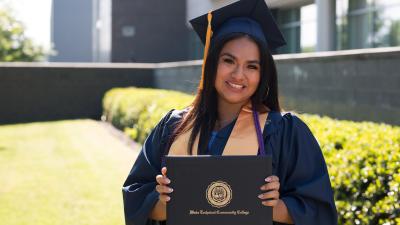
207	46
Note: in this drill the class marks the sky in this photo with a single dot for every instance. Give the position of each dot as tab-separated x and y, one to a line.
35	15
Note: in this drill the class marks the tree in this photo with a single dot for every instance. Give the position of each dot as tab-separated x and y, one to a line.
14	45
394	34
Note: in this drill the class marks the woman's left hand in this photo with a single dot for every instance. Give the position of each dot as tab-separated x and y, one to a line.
270	197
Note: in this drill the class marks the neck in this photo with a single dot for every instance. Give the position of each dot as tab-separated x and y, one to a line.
227	112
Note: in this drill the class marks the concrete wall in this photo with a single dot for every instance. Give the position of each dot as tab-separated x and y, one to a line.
40	92
356	85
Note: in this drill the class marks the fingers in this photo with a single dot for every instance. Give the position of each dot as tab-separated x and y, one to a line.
271	203
271	195
162	187
164	191
272	183
271	198
272	178
164	171
164	198
162	180
271	186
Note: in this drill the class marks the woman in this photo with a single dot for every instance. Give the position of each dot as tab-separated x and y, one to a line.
239	76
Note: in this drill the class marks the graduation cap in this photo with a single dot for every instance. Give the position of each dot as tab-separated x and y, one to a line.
251	17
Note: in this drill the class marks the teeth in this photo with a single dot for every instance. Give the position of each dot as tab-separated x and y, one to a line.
235	85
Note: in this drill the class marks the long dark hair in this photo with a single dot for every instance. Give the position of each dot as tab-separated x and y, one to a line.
203	113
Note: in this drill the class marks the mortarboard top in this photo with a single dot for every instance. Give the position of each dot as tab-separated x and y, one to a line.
251	17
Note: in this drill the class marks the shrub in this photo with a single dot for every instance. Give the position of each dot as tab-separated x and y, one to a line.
364	166
363	158
138	110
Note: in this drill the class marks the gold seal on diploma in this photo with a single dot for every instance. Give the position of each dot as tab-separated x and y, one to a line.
219	194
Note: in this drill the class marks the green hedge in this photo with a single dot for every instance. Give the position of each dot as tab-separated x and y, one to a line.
364	166
363	158
138	110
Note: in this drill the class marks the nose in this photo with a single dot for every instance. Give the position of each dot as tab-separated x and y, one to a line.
238	73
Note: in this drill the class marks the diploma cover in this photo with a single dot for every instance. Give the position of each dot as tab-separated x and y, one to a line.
218	190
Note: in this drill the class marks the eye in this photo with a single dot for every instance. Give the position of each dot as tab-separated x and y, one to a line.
228	60
253	67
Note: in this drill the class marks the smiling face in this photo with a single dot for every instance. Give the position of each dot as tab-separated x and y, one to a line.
238	71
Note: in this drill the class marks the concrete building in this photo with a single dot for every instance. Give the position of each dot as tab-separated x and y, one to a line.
149	31
157	30
326	25
119	31
81	30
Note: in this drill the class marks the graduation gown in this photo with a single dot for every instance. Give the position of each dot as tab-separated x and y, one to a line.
297	161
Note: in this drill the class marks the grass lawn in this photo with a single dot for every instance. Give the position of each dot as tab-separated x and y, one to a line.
64	172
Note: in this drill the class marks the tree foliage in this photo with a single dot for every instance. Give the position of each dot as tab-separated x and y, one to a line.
14	44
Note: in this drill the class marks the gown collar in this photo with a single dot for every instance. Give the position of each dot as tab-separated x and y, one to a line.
271	125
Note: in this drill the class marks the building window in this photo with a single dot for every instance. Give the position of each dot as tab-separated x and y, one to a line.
308	28
388	26
289	23
367	23
299	27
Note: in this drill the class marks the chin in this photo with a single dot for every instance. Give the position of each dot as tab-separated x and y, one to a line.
235	100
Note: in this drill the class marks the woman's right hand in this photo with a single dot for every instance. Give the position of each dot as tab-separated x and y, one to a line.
162	187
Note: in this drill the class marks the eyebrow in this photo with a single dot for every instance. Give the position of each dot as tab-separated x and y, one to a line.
232	56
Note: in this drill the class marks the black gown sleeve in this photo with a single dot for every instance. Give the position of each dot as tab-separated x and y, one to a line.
139	195
305	185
